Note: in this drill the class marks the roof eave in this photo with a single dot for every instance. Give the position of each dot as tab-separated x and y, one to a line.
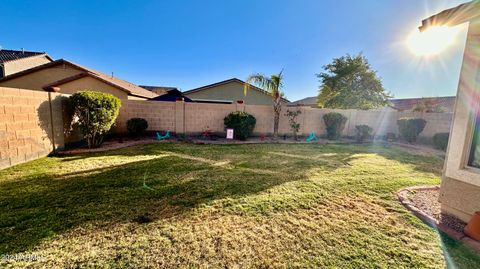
453	16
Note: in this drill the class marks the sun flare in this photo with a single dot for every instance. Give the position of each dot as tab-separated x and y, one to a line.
433	41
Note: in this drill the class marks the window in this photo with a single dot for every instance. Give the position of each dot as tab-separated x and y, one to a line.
474	158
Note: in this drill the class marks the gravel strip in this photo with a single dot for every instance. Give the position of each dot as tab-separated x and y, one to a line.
427	201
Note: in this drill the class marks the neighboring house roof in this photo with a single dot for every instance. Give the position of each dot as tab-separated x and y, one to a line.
154	88
123	85
453	16
13	55
158	89
171	96
307	101
447	102
226	82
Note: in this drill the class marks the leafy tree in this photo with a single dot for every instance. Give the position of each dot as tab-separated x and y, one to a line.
292	120
273	85
349	82
429	107
95	113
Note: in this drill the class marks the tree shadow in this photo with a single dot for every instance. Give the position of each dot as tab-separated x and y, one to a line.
38	207
170	182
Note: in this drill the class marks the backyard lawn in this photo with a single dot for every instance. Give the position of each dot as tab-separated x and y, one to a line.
170	205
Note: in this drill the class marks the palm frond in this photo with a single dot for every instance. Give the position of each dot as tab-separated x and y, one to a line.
260	81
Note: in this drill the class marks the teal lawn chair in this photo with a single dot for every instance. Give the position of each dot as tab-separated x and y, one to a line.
163	137
312	137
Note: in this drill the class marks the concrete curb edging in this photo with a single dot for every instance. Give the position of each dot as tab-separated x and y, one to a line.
402	197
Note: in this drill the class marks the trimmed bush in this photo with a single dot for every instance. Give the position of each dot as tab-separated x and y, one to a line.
410	128
440	141
335	123
137	126
242	124
363	132
95	113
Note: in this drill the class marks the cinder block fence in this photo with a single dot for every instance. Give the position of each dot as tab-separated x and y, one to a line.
31	122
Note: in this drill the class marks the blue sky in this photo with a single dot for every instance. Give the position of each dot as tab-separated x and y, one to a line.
188	44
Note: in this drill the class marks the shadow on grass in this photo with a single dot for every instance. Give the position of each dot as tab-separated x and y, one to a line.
40	206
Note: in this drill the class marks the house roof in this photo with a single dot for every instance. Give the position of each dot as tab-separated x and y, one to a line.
447	102
453	16
123	85
157	89
13	55
226	82
307	101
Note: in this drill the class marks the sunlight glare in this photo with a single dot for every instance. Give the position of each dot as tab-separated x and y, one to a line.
432	41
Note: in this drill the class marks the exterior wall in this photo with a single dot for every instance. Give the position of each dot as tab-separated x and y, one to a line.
88	83
436	122
26	127
131	97
232	91
37	80
24	64
160	115
460	190
459	198
198	117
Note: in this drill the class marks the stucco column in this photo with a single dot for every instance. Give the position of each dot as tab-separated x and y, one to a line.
180	117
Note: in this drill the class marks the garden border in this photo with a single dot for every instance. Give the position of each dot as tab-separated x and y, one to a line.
402	197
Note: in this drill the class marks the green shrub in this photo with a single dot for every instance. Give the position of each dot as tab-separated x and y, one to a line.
410	128
363	132
334	122
95	113
242	124
137	126
440	141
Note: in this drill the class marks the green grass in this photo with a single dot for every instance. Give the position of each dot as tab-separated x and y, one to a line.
223	206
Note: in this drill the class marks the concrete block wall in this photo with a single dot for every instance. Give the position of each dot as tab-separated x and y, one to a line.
183	117
436	122
160	115
200	117
26	126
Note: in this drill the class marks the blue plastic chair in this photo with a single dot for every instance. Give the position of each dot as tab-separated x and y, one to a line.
163	137
312	137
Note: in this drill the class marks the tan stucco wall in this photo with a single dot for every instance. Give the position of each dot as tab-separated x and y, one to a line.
460	190
89	83
232	91
131	97
459	198
25	63
36	80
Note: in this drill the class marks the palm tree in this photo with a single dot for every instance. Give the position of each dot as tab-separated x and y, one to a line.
273	85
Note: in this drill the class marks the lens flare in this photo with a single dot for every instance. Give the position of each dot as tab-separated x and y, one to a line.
432	41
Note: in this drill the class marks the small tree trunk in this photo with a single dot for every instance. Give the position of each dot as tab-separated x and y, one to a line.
277	107
276	120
